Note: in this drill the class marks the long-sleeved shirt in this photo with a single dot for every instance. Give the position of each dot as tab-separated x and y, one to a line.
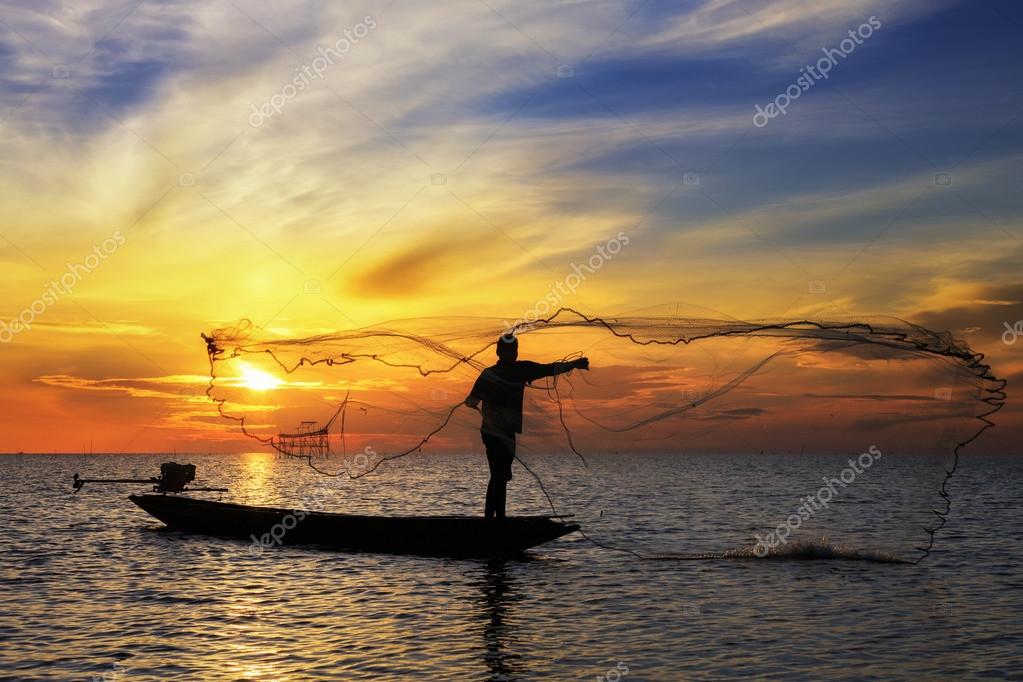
501	388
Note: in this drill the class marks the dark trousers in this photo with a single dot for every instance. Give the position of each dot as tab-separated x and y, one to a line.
500	453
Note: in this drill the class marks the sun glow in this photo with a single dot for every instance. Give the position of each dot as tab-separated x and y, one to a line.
256	379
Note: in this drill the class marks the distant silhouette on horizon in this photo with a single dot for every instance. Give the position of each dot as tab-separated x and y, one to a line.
501	387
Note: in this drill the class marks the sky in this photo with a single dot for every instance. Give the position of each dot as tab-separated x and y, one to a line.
167	168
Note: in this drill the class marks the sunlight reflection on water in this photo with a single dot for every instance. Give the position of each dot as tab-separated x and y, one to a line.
89	580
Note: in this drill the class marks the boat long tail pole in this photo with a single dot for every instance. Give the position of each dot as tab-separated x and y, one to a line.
79	482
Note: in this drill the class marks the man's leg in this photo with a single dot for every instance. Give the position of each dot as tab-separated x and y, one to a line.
500	453
506	454
493	458
491	508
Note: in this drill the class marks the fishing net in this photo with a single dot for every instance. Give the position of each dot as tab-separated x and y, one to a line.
687	393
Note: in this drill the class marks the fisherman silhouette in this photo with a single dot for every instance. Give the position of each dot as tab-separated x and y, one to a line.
501	388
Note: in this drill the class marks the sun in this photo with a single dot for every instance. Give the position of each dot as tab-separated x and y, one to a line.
256	379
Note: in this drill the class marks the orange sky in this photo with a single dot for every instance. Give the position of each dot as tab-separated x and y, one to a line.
141	206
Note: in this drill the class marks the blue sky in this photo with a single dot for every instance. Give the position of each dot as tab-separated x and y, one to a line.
654	90
918	95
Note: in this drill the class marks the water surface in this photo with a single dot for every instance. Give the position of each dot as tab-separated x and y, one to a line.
89	585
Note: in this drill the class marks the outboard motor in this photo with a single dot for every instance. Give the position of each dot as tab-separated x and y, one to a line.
174	477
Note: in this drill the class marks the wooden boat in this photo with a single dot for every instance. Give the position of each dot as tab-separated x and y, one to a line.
451	536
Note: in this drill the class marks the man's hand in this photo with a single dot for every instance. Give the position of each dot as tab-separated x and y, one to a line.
472	402
581	363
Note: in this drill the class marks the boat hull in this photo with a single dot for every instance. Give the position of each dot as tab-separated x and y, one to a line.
454	536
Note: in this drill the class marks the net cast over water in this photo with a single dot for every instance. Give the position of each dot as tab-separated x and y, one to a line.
897	398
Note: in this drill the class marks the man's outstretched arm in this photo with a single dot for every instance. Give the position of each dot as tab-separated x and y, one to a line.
537	371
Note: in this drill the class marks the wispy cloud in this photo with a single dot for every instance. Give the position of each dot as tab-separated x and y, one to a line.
461	156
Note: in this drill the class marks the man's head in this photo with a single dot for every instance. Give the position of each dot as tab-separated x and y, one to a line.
507	348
